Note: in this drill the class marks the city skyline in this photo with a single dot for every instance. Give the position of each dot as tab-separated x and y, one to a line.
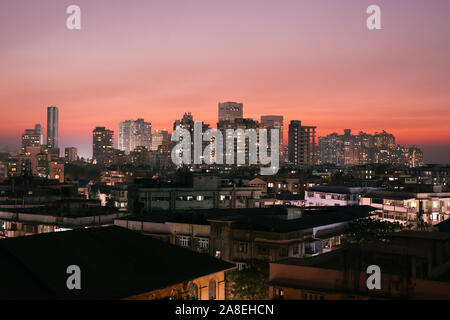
249	152
313	61
116	143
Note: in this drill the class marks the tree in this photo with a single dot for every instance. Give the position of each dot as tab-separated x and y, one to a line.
250	283
371	230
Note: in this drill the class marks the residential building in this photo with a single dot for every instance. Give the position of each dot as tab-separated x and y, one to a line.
362	149
229	111
231	136
302	144
332	196
276	184
242	235
203	192
25	220
159	138
71	154
111	177
103	151
32	137
55	171
133	134
414	265
409	207
271	234
149	269
270	122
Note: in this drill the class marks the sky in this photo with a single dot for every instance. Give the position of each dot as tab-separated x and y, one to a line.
308	60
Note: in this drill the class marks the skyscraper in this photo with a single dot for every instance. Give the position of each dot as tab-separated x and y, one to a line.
52	127
32	137
102	147
159	138
187	122
229	111
302	144
273	122
231	138
133	134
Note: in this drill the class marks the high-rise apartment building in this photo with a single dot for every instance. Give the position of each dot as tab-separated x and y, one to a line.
229	111
384	140
159	137
302	144
133	134
231	138
273	122
361	149
52	127
71	154
32	137
187	122
102	151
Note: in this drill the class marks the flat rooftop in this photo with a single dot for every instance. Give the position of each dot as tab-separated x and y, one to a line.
331	260
275	219
412	234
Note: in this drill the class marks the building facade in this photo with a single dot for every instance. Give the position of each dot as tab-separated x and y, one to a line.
363	148
102	146
32	137
229	111
409	207
52	126
301	144
414	265
70	154
274	122
318	196
133	134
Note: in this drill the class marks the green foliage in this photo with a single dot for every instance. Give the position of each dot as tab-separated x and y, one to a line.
371	230
250	283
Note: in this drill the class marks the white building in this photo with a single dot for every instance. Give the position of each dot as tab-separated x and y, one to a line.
319	196
134	134
406	207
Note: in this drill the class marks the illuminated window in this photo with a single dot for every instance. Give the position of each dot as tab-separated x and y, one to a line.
184	241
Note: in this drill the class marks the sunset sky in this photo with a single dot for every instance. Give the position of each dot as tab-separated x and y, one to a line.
309	60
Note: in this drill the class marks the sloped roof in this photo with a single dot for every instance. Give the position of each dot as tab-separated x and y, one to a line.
115	263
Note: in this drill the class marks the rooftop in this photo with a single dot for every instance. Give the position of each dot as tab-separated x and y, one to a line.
115	263
335	189
331	260
412	234
275	219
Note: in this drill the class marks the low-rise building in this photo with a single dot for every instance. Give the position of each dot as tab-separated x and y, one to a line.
243	235
415	265
113	263
25	220
205	192
332	196
273	185
409	207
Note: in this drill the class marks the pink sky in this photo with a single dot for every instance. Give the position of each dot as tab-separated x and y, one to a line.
312	60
